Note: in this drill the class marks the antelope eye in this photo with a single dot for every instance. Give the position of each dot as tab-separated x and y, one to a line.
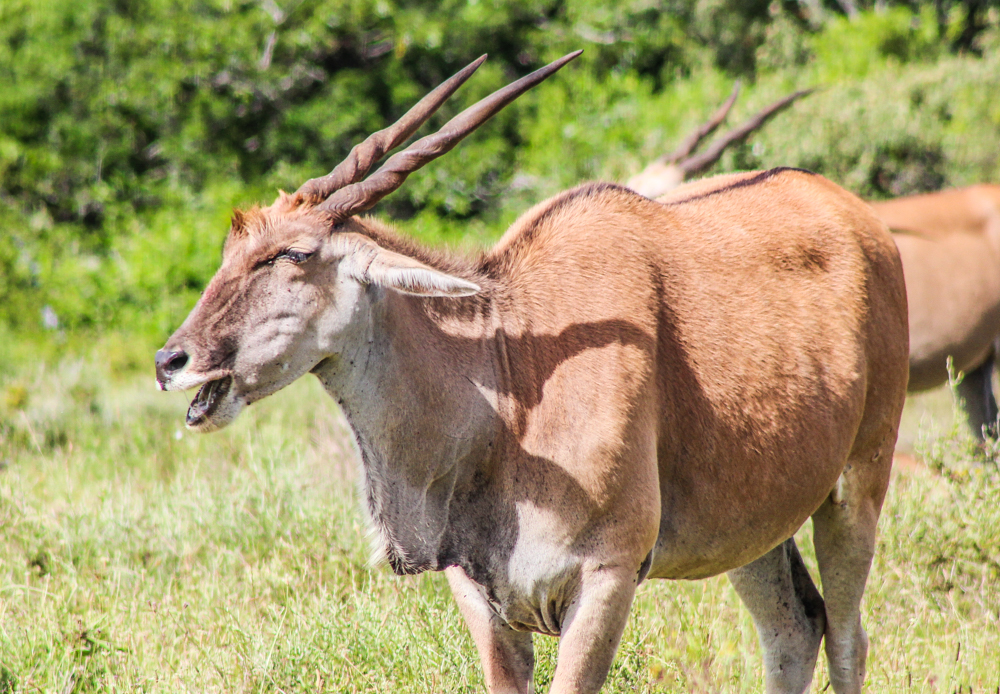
289	255
294	256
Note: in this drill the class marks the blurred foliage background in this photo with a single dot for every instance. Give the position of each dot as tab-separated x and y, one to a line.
130	128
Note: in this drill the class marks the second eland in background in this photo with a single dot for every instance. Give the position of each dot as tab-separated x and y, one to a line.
949	242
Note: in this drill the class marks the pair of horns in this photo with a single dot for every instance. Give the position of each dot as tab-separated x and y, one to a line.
690	165
345	191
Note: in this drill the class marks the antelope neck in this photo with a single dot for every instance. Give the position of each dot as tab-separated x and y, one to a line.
423	371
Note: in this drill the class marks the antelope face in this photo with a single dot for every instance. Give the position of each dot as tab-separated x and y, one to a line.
289	294
290	290
266	318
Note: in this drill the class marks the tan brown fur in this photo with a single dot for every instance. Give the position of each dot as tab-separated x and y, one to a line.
950	246
620	389
633	388
949	242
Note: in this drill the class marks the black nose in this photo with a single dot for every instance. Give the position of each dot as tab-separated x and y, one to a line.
169	363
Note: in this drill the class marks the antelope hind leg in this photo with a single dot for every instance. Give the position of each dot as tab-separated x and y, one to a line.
844	537
993	412
788	613
976	391
507	656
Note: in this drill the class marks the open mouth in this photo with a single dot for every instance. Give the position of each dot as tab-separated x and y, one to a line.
207	400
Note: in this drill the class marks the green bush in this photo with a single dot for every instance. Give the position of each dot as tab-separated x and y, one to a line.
129	129
901	130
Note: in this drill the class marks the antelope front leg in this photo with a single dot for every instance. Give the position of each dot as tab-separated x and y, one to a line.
508	656
592	629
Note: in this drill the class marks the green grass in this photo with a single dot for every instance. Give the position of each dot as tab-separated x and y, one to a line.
135	556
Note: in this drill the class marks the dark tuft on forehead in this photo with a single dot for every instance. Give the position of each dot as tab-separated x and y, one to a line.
258	230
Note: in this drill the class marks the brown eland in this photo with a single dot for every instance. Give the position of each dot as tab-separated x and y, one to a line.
668	171
949	242
618	390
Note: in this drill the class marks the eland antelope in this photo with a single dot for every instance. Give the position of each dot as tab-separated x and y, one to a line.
949	243
668	171
618	390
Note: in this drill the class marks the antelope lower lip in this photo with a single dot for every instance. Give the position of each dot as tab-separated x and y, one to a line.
207	399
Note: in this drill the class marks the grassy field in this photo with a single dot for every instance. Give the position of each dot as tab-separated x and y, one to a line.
135	556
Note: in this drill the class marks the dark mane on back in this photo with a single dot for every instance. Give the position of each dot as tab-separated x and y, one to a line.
742	183
582	193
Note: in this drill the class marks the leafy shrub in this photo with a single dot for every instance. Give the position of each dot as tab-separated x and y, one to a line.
128	130
901	130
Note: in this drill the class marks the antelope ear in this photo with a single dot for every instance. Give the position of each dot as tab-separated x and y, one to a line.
369	263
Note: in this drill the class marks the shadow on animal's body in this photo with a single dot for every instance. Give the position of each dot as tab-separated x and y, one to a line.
619	389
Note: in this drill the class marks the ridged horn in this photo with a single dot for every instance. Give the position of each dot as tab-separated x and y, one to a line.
700	162
363	156
695	138
361	196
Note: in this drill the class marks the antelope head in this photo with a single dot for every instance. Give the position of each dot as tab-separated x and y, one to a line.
288	294
669	171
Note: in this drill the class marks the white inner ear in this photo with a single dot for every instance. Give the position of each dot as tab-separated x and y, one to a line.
369	263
